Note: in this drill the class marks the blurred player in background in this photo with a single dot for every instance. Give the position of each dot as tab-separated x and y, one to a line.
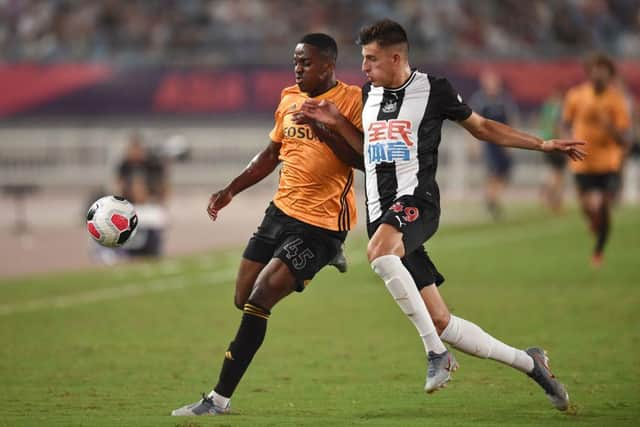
308	219
494	102
142	178
550	125
597	112
402	118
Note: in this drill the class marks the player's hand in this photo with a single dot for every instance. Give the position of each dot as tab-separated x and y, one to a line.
300	118
317	127
322	111
217	201
573	149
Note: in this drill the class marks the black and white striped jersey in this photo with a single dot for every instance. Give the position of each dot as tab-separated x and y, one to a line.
402	130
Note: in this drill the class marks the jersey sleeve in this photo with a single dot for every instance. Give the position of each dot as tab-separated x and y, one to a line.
276	133
448	102
354	111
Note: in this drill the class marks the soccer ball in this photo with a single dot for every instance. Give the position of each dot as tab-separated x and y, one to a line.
111	221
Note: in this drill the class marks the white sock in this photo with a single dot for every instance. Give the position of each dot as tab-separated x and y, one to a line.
218	400
403	289
471	339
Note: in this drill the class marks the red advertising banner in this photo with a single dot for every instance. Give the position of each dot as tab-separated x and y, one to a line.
102	90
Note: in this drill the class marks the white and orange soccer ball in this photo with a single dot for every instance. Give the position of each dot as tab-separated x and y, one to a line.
111	221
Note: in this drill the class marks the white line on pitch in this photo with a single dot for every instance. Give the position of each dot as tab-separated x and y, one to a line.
130	290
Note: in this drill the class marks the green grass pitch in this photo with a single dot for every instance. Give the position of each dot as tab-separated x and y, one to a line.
126	345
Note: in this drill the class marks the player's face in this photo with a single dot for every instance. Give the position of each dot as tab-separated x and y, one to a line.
311	68
491	83
378	64
600	77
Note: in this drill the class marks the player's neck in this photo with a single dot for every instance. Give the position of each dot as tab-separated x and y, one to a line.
401	77
323	88
601	88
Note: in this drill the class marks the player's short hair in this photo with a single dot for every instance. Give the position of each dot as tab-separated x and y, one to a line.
385	32
600	59
324	42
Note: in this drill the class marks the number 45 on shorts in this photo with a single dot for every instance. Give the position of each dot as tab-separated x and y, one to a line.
297	256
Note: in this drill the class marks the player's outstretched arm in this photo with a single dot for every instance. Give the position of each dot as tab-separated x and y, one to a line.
338	144
327	113
333	140
501	134
258	168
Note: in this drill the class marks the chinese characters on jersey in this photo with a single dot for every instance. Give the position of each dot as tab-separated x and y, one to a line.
389	140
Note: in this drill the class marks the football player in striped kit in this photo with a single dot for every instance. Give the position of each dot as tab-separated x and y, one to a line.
402	116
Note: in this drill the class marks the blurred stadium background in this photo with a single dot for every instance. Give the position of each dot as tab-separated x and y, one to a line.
201	78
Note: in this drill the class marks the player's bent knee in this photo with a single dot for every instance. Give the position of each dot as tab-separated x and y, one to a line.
440	321
243	290
373	251
268	292
239	302
590	206
380	247
263	291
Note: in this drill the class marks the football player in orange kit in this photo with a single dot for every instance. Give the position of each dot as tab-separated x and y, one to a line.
596	112
308	219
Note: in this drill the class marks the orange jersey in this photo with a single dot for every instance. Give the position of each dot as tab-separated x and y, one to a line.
315	186
588	114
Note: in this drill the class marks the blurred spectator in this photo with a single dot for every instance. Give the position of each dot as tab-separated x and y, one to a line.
550	125
494	102
245	31
142	179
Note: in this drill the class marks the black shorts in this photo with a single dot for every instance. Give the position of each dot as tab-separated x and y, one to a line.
304	248
498	160
417	220
605	182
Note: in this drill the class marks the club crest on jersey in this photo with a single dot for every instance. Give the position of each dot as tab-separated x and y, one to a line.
389	140
390	106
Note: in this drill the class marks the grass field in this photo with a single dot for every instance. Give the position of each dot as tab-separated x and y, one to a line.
125	346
